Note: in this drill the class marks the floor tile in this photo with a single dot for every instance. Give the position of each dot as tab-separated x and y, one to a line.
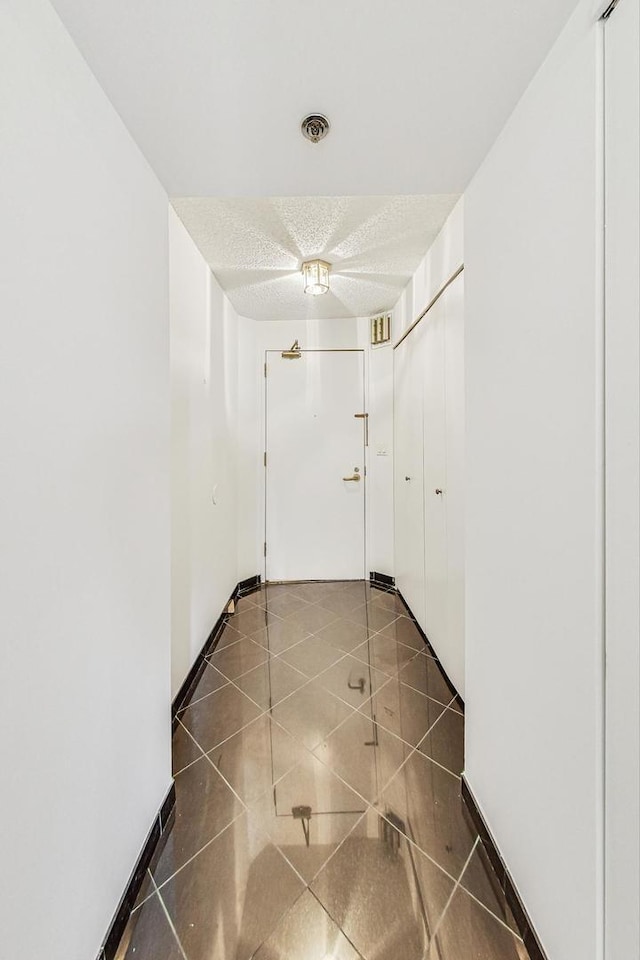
271	682
361	590
228	636
384	894
229	899
389	601
238	658
247	603
403	711
279	636
343	634
423	673
341	602
480	880
184	749
210	681
468	930
200	787
352	680
334	809
445	741
219	716
285	604
384	654
363	754
312	618
148	935
427	801
372	616
307	932
311	714
253	618
405	631
311	656
457	705
256	757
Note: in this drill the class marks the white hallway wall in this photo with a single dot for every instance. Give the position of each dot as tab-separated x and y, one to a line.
204	450
84	512
622	520
255	338
533	269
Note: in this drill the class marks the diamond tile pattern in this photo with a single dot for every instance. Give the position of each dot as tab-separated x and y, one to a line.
318	809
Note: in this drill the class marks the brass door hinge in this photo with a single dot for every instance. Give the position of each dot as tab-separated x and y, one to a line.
264	459
265	370
265	549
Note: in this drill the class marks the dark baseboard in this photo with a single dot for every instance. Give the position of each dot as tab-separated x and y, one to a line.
182	697
507	885
381	580
121	917
432	652
249	585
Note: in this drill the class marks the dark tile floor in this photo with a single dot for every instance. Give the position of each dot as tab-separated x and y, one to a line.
318	812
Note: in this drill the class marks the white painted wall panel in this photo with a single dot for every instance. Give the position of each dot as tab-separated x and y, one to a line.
408	408
622	113
533	271
452	653
84	511
204	444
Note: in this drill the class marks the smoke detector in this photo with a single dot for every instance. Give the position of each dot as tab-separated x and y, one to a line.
315	127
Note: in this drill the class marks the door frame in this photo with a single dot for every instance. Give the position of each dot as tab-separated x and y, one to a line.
365	445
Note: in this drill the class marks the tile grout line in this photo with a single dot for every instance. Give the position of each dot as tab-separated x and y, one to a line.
451	895
169	920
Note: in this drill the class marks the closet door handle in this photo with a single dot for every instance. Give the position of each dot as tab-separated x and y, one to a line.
439	491
407	478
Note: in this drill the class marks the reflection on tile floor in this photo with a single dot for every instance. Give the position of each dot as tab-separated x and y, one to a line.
318	810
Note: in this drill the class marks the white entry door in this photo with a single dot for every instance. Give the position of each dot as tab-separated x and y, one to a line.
315	467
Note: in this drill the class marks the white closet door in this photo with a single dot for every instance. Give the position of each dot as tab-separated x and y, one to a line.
452	652
435	479
409	486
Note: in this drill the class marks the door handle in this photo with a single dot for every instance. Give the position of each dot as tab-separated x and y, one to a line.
356	686
439	491
355	478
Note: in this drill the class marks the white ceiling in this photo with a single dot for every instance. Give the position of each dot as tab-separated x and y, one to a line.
255	248
214	90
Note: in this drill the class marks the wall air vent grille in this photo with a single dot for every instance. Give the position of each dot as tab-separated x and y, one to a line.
381	329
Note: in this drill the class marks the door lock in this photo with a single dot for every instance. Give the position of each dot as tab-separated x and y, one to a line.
356	476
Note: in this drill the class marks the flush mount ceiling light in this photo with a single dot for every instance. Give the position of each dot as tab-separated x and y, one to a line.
315	127
316	277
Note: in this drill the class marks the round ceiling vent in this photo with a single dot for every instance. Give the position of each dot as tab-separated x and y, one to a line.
315	127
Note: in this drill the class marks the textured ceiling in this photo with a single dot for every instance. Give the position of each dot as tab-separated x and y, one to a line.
214	91
255	248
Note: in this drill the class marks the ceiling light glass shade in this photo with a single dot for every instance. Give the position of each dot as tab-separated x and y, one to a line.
316	276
